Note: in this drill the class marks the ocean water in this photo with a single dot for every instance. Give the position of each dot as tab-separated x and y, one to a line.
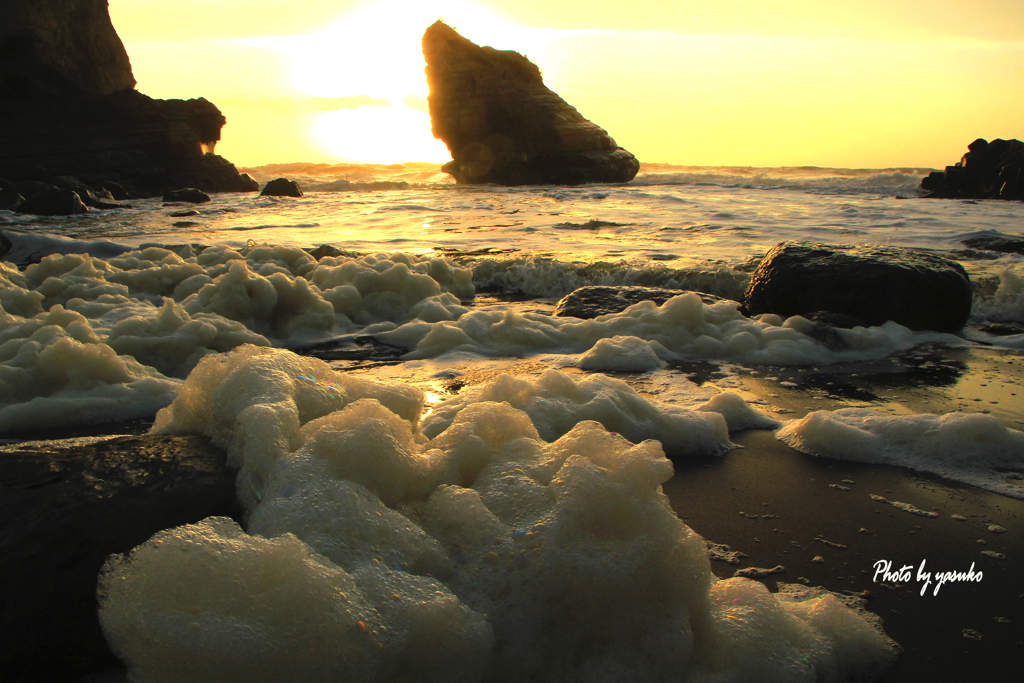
442	472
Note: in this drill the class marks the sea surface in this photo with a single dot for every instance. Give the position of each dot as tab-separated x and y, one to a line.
670	221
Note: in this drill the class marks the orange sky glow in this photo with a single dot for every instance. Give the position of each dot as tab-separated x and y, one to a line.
845	83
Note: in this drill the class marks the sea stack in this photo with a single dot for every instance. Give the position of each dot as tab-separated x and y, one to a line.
502	125
68	107
989	170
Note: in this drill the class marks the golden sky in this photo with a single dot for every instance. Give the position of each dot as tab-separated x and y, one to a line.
841	83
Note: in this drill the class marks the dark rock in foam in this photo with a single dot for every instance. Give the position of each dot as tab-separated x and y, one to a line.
281	187
989	170
594	300
915	288
502	125
68	107
63	512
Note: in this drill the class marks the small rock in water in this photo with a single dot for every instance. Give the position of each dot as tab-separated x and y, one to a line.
281	187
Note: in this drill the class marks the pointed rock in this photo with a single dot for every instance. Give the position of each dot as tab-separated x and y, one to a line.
502	125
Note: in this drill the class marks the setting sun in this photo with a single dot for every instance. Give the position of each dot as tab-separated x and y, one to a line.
374	53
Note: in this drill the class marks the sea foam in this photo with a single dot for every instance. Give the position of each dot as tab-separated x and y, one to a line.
970	447
485	553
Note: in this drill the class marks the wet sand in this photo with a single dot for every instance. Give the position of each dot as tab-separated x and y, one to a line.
779	507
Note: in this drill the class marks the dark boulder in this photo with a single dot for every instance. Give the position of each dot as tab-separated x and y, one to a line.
189	194
502	125
913	287
594	300
989	170
55	202
281	187
63	512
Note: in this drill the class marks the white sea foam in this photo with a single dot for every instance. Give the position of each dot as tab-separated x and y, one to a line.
683	326
55	372
543	277
902	181
969	447
485	553
556	402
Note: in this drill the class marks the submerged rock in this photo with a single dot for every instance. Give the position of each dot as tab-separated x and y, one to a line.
281	187
594	300
63	511
502	125
1006	244
912	287
68	107
989	170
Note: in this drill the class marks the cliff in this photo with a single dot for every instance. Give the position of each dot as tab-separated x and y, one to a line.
68	108
503	125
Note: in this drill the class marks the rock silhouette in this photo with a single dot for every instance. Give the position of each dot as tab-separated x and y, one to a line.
502	125
989	170
68	108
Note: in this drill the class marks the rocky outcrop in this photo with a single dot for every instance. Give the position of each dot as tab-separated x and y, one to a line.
281	187
915	288
502	125
989	170
594	300
63	512
68	108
